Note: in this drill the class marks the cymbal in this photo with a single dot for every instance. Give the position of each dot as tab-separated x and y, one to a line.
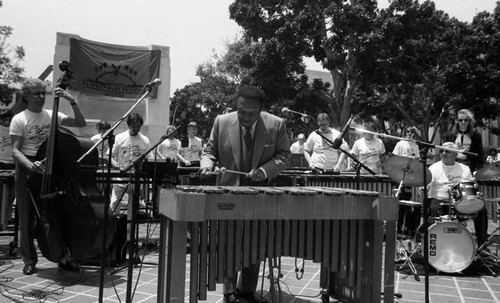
488	172
396	166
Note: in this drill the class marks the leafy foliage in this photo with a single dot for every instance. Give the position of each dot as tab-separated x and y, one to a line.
335	33
11	73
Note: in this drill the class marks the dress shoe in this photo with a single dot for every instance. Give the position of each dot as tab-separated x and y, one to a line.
251	298
70	266
29	269
231	298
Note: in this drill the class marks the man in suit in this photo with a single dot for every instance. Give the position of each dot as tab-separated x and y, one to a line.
250	141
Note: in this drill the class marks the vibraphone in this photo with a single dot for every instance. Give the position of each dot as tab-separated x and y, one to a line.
379	183
232	227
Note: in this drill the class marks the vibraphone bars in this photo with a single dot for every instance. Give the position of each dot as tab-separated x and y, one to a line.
232	227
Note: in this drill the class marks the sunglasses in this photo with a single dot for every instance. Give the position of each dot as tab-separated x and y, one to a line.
38	94
463	120
410	132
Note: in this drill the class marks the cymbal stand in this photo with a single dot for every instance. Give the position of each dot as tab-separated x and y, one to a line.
406	255
404	252
487	262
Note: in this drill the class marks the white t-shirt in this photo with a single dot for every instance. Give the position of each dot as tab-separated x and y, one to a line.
368	153
127	148
5	145
407	149
169	149
323	155
34	128
192	152
102	149
445	176
297	148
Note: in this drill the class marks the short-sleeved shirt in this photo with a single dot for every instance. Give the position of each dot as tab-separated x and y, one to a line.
407	149
368	153
445	176
323	155
102	149
193	151
297	148
34	128
169	149
127	148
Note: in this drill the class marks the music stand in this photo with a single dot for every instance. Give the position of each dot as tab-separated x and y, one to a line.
159	168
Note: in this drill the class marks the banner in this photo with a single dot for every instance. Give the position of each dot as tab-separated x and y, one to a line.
112	70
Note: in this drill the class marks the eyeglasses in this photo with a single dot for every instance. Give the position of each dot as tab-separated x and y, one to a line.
410	131
463	120
38	94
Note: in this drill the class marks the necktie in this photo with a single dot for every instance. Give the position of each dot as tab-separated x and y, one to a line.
248	137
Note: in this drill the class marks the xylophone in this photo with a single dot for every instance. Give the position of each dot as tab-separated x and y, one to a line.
232	227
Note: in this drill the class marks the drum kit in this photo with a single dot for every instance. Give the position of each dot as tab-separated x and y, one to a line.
452	246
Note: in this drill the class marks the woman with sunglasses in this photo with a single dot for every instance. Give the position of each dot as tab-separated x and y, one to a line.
468	139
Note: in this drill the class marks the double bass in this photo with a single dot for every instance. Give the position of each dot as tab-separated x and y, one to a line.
71	209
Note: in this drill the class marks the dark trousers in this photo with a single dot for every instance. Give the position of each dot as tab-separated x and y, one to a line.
247	282
26	213
481	226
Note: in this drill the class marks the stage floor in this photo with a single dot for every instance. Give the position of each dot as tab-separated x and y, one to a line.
51	284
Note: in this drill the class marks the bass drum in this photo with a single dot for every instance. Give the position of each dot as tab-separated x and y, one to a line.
452	247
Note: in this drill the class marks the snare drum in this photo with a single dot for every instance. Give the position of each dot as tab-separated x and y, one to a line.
451	246
409	218
469	200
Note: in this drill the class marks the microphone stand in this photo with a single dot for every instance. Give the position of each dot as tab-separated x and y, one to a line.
109	135
136	164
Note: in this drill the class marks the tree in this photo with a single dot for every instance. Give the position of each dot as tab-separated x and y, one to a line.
415	45
11	73
334	32
203	101
245	63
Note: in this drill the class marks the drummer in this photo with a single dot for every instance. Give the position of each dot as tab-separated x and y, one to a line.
445	174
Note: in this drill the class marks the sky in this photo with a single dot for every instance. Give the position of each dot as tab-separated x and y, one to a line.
193	29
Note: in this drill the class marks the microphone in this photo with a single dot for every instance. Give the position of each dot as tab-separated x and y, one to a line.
287	110
338	141
156	81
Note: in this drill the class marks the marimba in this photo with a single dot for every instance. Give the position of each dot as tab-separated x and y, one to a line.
232	227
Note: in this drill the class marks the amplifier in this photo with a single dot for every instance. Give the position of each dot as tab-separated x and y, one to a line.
117	250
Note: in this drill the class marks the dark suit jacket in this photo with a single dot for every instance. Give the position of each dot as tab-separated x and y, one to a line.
271	149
